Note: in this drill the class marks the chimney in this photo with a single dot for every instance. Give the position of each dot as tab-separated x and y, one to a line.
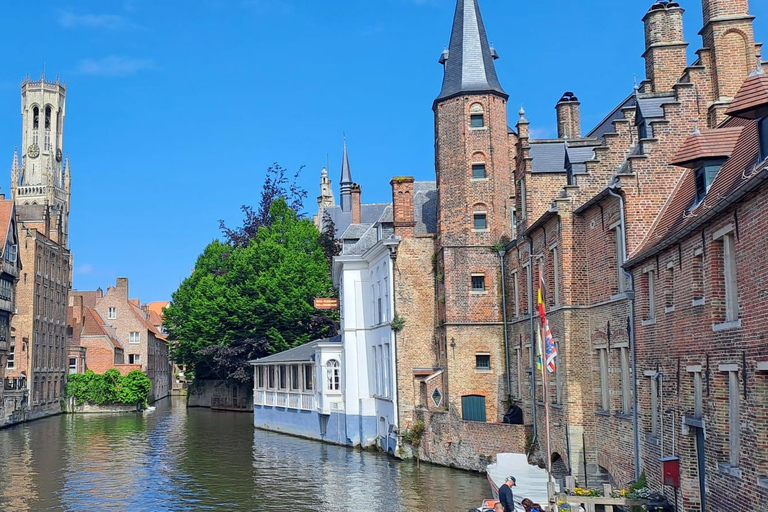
728	40
356	213
122	287
568	117
76	302
665	57
402	206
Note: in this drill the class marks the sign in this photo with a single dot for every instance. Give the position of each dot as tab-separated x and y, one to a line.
326	303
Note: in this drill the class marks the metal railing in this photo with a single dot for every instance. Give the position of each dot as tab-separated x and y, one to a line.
288	399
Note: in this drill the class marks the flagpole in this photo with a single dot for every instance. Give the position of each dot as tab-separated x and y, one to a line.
545	381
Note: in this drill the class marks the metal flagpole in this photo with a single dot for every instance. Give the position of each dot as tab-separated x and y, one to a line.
545	382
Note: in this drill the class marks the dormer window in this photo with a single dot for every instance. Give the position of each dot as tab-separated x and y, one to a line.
705	175
476	116
762	132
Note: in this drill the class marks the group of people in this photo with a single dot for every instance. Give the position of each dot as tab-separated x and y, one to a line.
507	499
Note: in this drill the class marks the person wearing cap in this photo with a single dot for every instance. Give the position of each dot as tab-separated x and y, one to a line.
506	497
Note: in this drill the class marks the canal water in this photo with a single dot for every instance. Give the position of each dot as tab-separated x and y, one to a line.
178	459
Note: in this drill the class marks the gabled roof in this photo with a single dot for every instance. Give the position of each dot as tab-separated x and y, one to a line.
302	353
469	59
158	306
717	143
682	214
94	326
139	314
650	107
6	214
751	102
547	156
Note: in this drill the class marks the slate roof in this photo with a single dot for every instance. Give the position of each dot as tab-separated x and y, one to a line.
469	59
576	156
346	174
369	214
547	156
298	354
425	207
651	107
752	99
606	125
717	143
681	214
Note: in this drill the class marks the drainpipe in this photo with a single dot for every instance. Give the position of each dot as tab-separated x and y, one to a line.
502	252
529	284
631	325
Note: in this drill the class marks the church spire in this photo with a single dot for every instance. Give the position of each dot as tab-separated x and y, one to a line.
469	59
346	181
15	164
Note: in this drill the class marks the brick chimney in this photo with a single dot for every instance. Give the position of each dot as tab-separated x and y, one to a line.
568	117
122	287
729	50
665	47
402	206
355	190
76	302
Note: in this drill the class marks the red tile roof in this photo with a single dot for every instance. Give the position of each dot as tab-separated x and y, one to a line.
94	326
158	306
6	212
751	102
707	144
140	316
681	210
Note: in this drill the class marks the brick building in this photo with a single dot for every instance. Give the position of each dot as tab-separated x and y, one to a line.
585	204
92	344
40	188
114	327
12	398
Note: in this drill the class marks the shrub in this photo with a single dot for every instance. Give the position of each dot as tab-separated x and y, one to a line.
109	388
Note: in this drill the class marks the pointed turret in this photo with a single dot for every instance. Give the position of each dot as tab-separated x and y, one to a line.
15	164
469	59
345	183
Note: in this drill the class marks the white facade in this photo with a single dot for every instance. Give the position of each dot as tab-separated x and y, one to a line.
367	308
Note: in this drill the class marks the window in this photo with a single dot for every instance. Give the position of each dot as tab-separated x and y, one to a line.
281	384
271	376
387	371
619	241
669	288
11	252
698	401
295	377
473	408
650	276
556	276
654	404
333	371
133	337
72	365
515	295
483	361
437	397
6	289
476	116
626	390
309	377
734	425
11	362
35	118
134	359
48	118
705	175
111	313
260	377
697	277
729	275
478	171
605	384
480	222
762	130
478	283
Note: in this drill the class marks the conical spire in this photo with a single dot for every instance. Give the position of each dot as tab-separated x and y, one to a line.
15	164
346	181
469	60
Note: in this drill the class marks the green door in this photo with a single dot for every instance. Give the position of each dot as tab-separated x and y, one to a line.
473	408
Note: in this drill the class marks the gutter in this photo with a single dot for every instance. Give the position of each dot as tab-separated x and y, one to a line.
631	327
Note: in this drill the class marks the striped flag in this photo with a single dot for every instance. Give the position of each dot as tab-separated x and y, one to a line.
549	340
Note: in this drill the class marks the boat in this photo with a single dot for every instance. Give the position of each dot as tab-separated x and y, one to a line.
530	481
487	506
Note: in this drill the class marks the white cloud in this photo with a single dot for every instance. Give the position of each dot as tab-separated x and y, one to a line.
84	269
70	20
114	65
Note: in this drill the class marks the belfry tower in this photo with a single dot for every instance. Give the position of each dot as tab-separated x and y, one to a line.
42	176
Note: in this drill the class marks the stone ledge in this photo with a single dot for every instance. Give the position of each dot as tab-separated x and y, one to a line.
727	469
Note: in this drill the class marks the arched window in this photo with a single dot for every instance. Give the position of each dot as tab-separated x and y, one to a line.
35	118
334	375
48	117
478	167
476	116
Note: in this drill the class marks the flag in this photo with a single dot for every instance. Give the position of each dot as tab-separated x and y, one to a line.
538	349
549	340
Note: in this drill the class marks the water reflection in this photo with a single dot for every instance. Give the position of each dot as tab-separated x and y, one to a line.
176	459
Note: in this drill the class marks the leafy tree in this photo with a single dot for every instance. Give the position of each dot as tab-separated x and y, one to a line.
276	185
247	301
109	388
328	241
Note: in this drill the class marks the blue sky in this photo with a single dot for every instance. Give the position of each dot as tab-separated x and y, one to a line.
176	108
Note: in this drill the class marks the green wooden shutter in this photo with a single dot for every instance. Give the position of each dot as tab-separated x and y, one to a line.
473	408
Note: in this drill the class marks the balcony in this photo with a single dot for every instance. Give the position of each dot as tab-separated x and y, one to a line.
287	399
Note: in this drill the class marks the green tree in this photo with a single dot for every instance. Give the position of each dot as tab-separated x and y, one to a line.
246	301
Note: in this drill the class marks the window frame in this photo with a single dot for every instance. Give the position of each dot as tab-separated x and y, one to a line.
479	166
111	313
333	375
478	216
486	361
134	337
478	279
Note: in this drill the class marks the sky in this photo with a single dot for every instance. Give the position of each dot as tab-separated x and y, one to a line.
176	108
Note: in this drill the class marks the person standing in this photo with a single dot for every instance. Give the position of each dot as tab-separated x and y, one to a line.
506	497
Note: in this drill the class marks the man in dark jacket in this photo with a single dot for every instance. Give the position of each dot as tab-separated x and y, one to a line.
506	497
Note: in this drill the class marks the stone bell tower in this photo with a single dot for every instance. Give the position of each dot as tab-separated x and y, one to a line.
41	176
